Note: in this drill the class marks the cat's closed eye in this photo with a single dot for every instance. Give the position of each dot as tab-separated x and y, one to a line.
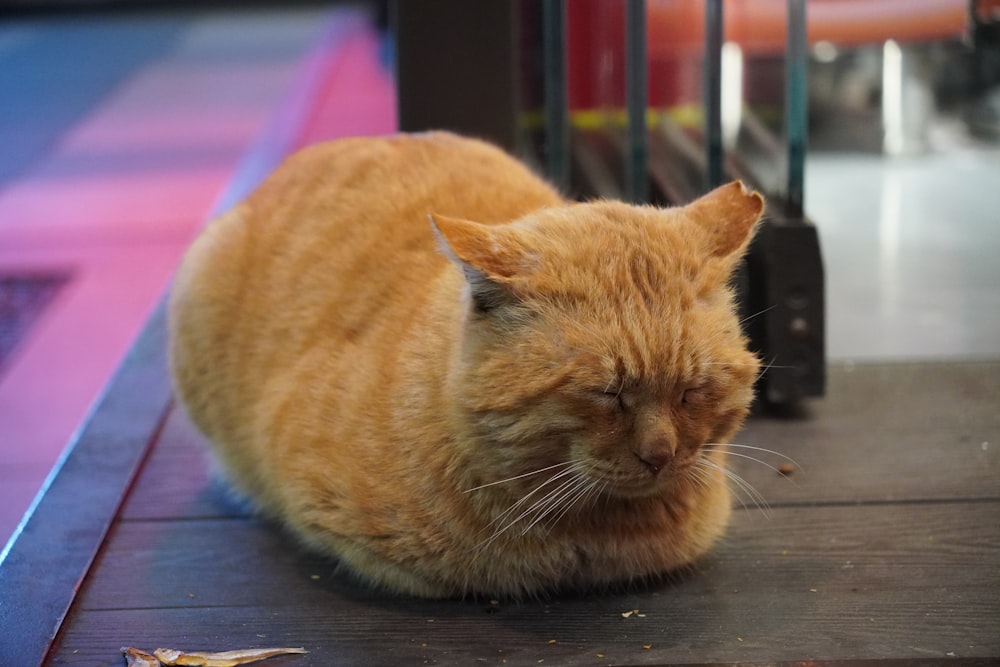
613	397
696	396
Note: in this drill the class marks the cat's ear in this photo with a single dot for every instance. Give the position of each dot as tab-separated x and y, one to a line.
487	260
728	216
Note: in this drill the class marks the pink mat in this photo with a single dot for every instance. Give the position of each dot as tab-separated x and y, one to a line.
165	145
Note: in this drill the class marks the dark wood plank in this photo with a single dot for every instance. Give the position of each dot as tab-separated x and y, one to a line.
886	432
46	561
463	652
832	583
181	479
412	639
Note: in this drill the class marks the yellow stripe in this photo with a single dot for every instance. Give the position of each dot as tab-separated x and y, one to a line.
685	115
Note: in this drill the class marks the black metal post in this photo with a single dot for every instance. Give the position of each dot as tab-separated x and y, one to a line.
795	107
556	111
456	68
713	91
636	93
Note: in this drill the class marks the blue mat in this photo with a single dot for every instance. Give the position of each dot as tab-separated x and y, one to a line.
54	69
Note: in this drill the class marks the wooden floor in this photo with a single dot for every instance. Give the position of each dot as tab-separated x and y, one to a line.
883	546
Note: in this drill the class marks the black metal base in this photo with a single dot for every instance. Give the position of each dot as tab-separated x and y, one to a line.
783	311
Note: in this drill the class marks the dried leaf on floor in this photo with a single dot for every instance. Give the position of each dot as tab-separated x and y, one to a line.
171	657
138	658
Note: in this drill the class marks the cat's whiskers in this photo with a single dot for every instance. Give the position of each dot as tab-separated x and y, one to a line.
563	473
501	522
757	314
746	486
766	368
700	475
763	463
553	504
729	363
539	506
727	446
755	496
521	476
561	500
583	493
727	331
746	319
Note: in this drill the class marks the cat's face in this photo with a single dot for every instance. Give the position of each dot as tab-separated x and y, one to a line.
654	393
602	340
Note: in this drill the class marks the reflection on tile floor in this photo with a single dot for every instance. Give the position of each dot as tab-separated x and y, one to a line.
911	249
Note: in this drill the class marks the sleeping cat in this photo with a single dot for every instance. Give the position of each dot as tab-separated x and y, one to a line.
423	361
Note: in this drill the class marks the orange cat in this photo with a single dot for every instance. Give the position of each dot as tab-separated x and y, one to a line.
423	361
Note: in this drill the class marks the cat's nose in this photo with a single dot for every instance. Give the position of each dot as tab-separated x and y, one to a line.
655	461
656	455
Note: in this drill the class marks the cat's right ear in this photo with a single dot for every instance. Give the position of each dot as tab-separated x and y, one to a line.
487	261
728	216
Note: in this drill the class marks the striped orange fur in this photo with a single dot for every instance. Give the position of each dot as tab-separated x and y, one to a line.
423	361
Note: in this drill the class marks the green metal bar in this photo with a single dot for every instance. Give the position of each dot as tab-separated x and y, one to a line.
556	95
713	92
636	161
795	107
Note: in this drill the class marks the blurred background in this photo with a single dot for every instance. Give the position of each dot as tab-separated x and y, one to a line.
125	125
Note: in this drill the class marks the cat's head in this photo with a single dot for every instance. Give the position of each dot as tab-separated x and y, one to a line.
603	337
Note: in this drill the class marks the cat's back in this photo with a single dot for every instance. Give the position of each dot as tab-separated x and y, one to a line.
348	219
360	207
402	175
334	249
343	226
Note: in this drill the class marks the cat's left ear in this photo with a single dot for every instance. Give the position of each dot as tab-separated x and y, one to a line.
488	258
728	216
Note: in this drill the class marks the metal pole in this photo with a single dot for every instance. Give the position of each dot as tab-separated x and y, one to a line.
556	96
795	107
713	91
636	161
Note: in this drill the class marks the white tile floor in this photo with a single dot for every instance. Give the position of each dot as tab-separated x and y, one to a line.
912	252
